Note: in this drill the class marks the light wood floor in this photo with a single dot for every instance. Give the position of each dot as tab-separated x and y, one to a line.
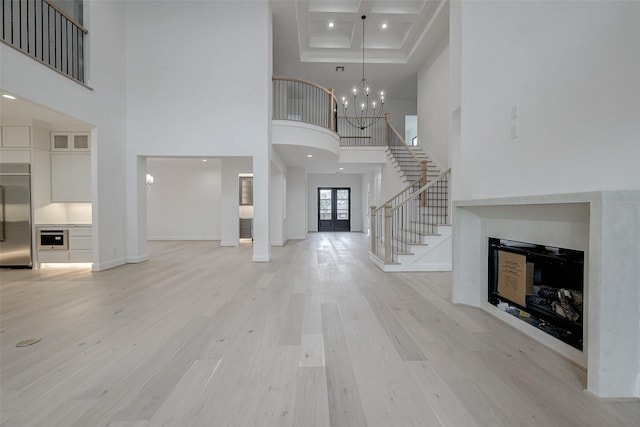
200	336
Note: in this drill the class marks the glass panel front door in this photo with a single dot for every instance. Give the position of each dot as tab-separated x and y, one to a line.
334	209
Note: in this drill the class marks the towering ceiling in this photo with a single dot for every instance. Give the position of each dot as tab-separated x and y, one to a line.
313	37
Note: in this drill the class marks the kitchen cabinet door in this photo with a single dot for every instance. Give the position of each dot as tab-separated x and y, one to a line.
246	191
60	178
81	178
70	141
16	137
70	178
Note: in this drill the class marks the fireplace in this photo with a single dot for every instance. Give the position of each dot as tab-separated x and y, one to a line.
603	224
541	285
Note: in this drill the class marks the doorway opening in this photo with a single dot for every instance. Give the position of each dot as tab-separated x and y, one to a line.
334	209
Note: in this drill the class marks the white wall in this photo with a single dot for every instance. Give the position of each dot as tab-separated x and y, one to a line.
186	95
277	214
572	69
368	197
390	183
183	203
104	108
297	204
353	181
398	109
433	105
410	128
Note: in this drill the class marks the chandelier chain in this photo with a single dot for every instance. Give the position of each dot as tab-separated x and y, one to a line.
367	104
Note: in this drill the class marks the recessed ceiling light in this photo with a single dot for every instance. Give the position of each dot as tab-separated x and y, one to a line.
204	160
341	169
331	24
8	96
309	155
384	26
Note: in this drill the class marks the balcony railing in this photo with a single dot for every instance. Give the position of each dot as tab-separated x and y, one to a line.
373	136
303	101
47	34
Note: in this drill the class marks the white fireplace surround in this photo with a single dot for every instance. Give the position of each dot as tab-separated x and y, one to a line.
606	226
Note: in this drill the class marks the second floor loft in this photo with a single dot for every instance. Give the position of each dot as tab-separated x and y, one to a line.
50	32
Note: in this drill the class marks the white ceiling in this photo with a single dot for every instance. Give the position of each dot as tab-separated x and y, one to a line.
305	47
20	111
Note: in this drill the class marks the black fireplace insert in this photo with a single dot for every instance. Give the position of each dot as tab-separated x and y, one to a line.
541	285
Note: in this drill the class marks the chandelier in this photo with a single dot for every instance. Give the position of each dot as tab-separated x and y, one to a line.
366	104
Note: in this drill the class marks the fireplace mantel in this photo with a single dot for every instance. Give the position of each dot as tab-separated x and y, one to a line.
606	226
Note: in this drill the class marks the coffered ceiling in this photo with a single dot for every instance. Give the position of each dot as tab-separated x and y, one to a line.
393	29
313	37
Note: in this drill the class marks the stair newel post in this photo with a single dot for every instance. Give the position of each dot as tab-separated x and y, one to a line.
373	224
331	95
387	234
423	182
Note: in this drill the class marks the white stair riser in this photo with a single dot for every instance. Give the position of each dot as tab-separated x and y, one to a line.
435	256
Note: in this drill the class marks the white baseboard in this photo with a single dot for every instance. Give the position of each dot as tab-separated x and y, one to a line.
101	266
138	259
611	399
298	237
182	238
229	243
433	267
279	243
261	258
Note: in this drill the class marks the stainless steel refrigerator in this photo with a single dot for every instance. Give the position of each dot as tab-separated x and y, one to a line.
15	215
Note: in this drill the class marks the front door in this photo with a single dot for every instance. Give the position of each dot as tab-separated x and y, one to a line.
334	209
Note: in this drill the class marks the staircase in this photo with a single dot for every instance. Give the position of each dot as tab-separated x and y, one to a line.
408	168
412	230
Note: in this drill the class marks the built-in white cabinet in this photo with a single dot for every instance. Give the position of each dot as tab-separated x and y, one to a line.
70	167
52	256
70	177
246	191
16	137
70	141
79	248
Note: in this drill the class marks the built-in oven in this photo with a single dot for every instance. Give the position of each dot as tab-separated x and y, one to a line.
53	239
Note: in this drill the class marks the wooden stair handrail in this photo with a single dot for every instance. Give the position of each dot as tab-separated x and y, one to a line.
421	190
388	202
417	159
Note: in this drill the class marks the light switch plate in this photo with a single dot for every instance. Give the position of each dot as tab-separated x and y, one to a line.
514	112
515	131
